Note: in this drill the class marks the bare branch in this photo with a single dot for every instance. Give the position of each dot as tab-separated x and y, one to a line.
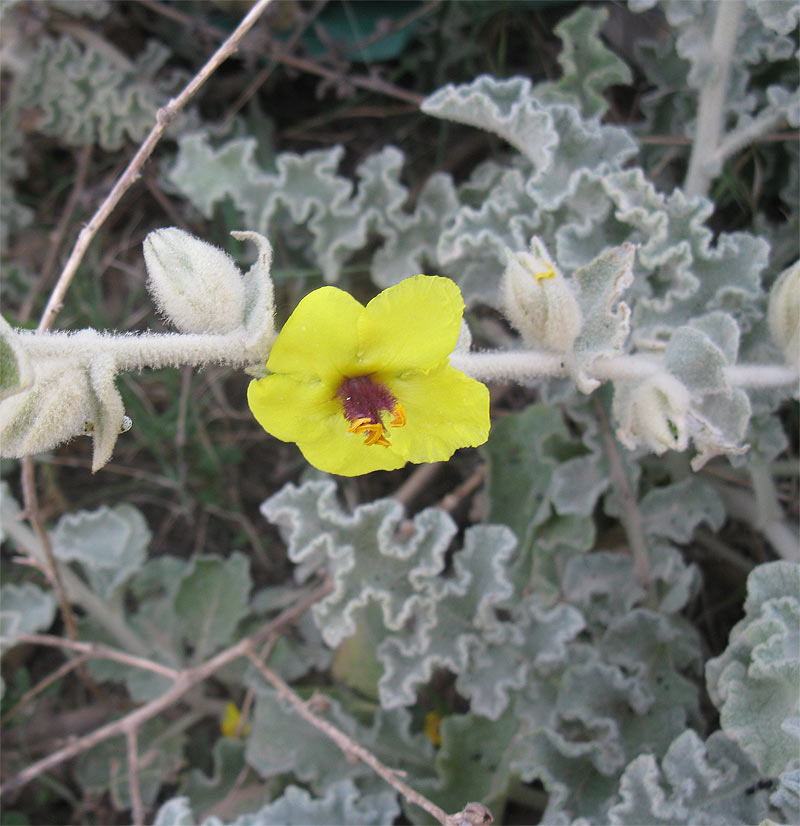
135	791
184	681
346	744
35	518
92	650
131	174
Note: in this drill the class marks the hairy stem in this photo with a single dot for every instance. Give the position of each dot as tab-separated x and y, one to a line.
156	350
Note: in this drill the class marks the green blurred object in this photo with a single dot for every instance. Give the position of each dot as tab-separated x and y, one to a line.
348	24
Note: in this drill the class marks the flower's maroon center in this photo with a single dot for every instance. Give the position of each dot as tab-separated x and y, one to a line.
363	401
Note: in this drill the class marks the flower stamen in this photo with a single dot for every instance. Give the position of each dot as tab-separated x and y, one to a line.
363	401
399	414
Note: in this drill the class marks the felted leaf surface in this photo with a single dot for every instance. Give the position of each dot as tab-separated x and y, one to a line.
105	766
24	609
588	67
578	482
506	107
343	803
109	543
15	369
521	466
363	554
605	326
211	600
281	741
755	682
675	511
698	782
462	631
204	791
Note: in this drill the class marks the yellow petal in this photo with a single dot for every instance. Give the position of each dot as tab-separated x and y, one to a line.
413	325
346	454
320	338
230	722
445	410
293	408
303	411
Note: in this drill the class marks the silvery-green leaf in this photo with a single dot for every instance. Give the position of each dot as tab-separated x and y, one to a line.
588	66
24	609
521	466
697	782
54	409
722	329
412	238
259	297
211	600
606	318
110	544
176	811
787	795
755	682
697	361
674	511
343	802
104	767
205	791
506	107
780	16
109	418
15	369
720	425
282	741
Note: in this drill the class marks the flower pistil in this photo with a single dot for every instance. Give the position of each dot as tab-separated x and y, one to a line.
363	401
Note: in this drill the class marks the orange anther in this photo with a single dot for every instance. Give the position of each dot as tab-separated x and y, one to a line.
399	414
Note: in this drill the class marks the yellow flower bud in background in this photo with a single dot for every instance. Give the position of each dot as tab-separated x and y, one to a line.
538	301
230	722
783	313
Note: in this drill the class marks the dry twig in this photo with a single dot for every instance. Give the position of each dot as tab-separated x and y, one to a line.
132	172
134	789
348	745
184	682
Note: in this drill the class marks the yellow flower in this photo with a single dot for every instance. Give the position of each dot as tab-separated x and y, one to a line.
230	722
433	727
371	388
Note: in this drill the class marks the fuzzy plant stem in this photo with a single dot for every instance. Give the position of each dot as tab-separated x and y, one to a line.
140	351
530	364
155	350
710	105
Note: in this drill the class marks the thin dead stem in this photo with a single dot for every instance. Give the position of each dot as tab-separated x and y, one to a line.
91	650
247	703
631	515
132	172
345	743
134	789
184	682
31	501
61	671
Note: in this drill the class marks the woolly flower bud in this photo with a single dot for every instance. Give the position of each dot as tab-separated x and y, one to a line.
783	314
538	301
655	414
196	285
